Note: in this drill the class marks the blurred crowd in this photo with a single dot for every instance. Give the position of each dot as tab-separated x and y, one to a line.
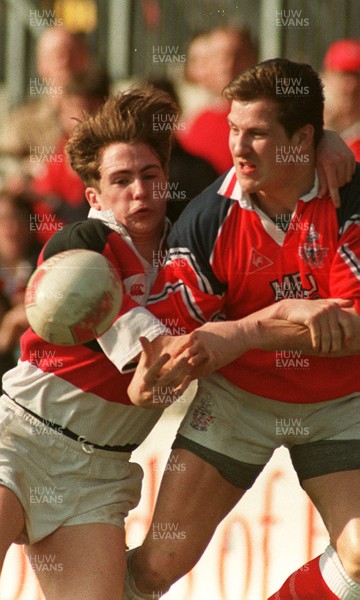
39	191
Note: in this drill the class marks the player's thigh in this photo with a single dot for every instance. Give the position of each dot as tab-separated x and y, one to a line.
12	520
80	561
192	501
337	498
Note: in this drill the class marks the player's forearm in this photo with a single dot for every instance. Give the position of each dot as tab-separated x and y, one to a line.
263	330
283	335
225	341
329	327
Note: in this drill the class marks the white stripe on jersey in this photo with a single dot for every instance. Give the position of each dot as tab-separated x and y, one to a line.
187	297
186	255
350	258
354	220
86	414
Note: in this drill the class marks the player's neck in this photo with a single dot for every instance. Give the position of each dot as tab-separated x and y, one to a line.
283	200
147	245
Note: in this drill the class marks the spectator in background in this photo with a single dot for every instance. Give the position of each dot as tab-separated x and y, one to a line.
230	51
18	254
34	126
193	89
188	174
61	189
342	91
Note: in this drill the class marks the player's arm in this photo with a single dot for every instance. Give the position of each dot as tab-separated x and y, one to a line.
328	327
335	164
321	327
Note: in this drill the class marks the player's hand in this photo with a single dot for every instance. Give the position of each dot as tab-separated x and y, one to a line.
154	384
331	327
189	346
335	164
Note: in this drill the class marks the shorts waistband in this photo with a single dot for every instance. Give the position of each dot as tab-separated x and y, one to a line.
70	434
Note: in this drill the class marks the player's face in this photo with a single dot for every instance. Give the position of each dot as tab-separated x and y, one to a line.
256	138
133	185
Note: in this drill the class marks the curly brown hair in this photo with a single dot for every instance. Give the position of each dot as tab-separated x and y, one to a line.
143	116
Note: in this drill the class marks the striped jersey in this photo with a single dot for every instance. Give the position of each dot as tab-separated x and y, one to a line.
84	387
228	259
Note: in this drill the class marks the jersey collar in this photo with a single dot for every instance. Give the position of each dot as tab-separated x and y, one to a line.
230	188
107	216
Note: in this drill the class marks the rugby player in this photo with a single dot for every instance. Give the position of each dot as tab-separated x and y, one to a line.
67	424
260	238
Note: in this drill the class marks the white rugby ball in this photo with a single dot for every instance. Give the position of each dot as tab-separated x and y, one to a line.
73	297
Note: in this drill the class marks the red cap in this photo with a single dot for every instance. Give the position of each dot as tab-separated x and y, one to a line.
343	55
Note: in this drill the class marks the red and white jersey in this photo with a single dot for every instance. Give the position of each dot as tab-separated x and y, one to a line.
229	259
84	387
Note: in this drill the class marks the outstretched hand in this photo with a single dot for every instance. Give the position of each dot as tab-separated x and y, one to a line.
154	384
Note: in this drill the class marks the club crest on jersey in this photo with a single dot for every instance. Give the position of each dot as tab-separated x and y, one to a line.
202	415
311	252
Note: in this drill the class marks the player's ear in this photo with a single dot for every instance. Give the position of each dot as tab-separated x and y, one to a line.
305	137
91	196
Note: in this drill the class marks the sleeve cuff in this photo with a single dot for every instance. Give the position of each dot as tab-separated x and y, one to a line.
121	342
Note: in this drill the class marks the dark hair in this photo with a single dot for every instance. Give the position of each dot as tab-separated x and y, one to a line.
136	116
295	88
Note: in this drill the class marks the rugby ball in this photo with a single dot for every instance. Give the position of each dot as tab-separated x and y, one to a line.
73	297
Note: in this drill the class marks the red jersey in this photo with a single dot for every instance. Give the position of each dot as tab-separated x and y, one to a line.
228	259
84	387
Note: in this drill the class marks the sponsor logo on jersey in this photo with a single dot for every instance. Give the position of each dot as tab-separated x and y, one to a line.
137	289
291	286
258	261
135	285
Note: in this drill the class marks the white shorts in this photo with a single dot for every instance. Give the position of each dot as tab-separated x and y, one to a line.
237	432
59	481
